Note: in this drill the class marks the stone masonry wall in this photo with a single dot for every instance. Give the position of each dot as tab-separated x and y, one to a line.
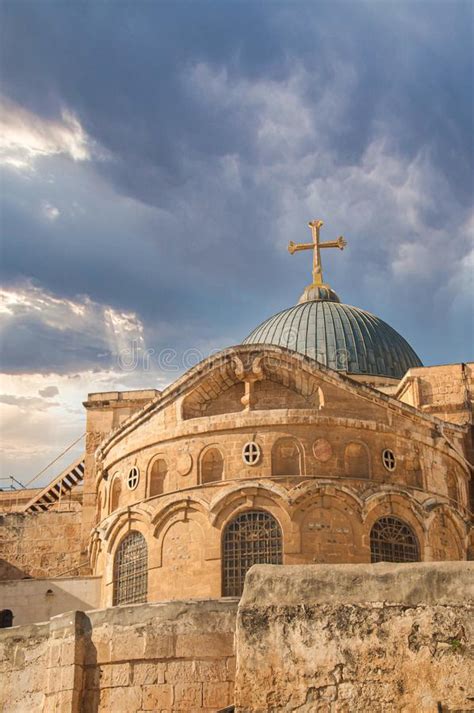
147	657
41	544
312	638
348	638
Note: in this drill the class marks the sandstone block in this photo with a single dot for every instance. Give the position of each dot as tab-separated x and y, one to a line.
148	673
157	697
187	696
124	700
216	695
199	645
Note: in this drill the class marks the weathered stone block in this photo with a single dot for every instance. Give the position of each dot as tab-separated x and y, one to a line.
187	696
216	695
157	697
198	645
148	673
124	700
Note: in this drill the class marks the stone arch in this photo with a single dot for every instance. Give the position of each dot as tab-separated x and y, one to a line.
185	552
307	490
211	465
357	460
256	495
227	500
400	506
251	537
115	493
181	510
287	456
157	472
130	570
331	526
123	522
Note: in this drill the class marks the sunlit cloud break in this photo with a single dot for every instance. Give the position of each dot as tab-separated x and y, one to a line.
25	136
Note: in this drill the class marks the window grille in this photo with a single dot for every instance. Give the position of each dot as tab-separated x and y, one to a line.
131	570
251	453
253	537
388	459
391	540
133	478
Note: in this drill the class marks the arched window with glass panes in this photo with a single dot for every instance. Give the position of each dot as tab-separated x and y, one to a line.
392	540
253	537
131	570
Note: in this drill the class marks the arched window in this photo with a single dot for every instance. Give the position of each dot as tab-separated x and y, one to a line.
212	466
6	618
116	492
356	460
131	570
453	493
159	471
392	540
286	457
253	537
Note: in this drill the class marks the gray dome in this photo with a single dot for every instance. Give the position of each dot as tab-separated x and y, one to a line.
340	336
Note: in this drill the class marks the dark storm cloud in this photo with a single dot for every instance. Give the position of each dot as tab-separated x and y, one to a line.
216	130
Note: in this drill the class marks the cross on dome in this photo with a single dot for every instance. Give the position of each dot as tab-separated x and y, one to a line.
316	246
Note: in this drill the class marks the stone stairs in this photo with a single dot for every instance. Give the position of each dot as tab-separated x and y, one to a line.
53	493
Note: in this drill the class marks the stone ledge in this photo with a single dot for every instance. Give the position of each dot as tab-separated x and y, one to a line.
426	583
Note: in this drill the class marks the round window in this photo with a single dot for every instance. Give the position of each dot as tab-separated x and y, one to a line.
388	459
133	478
251	453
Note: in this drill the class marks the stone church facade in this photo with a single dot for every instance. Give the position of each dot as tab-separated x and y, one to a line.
320	440
263	455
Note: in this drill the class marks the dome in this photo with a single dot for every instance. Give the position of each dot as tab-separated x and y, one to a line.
340	336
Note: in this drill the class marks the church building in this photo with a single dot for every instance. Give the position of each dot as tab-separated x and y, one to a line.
320	439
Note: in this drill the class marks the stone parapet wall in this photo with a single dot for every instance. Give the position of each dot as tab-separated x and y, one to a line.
313	639
46	544
147	657
342	638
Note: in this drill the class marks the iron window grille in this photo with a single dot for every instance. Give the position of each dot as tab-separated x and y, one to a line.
391	540
131	570
253	537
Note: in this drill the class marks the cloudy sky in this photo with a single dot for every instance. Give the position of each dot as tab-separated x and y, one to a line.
157	157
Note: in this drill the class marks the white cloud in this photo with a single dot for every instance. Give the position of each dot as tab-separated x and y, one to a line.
25	136
109	327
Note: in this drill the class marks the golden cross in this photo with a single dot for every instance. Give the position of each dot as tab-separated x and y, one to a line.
316	246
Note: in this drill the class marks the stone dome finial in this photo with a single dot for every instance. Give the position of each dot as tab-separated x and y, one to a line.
317	290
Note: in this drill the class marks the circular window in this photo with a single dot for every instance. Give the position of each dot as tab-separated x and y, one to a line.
251	453
133	478
388	459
